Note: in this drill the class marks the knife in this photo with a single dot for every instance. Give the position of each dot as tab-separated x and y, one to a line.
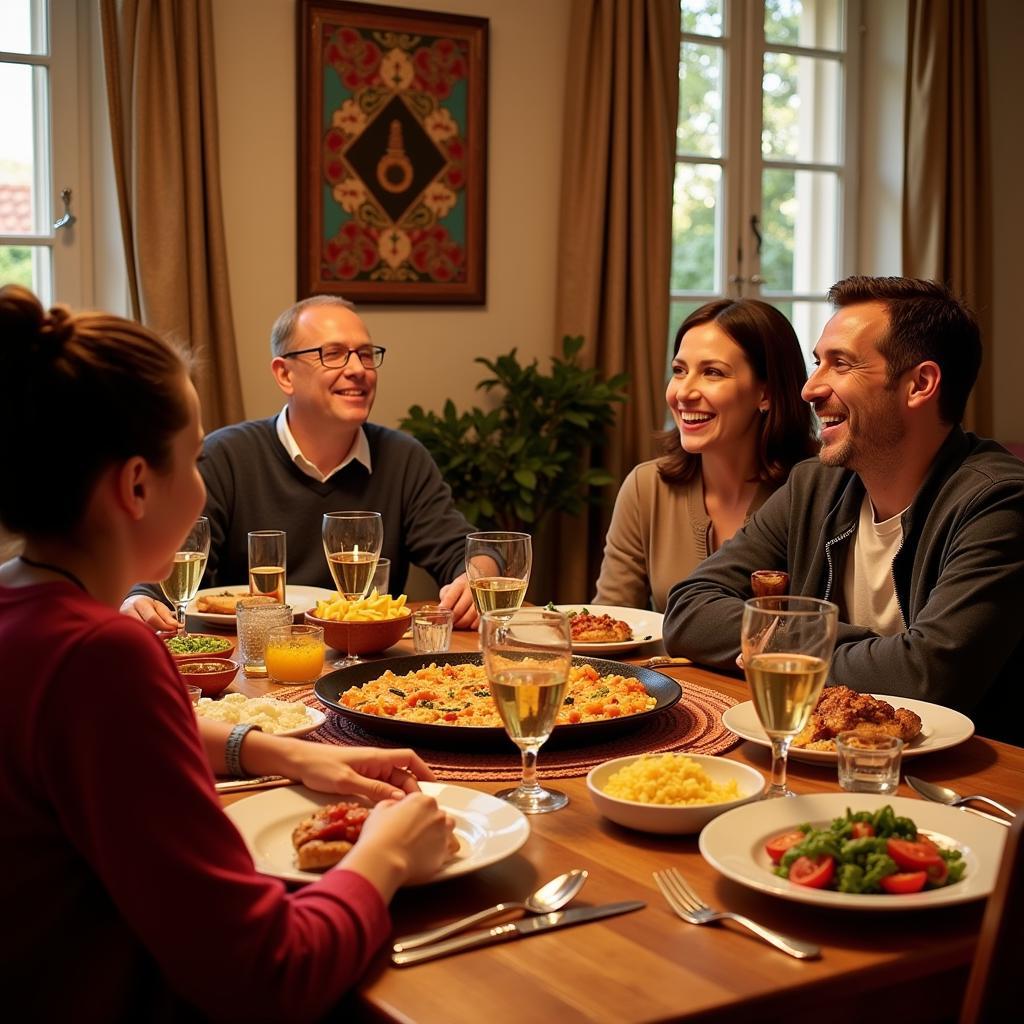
259	782
515	930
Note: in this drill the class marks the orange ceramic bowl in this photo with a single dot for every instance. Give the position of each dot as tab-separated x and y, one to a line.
212	675
224	646
364	637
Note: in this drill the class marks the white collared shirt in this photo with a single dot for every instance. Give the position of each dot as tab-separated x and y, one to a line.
360	451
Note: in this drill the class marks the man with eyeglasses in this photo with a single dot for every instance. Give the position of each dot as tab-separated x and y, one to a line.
319	454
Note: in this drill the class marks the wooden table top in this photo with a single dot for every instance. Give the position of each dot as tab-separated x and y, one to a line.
649	965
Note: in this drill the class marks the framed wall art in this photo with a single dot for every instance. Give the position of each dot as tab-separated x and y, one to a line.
392	175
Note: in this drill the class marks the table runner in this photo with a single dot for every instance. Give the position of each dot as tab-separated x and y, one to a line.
693	726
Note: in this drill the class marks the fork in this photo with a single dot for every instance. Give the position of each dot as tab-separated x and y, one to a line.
687	905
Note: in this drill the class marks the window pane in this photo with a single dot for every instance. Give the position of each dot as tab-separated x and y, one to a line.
700	100
702	16
801	107
817	23
695	227
20	207
23	26
799	223
808	320
26	265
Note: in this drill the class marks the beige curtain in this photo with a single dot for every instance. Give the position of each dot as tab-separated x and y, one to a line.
163	118
615	229
947	229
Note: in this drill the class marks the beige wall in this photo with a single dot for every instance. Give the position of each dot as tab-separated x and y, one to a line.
430	351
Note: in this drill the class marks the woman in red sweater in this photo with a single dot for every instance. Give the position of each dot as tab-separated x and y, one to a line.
127	893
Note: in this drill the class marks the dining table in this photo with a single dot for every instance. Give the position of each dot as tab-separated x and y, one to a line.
648	966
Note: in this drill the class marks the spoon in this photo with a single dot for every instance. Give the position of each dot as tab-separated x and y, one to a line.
549	897
944	795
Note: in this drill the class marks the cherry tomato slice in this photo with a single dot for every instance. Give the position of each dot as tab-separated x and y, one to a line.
904	882
776	847
813	872
862	829
913	856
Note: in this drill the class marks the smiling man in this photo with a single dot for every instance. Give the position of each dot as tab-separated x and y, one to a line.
912	526
320	454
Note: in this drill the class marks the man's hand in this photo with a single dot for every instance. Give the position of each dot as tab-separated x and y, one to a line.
154	614
457	596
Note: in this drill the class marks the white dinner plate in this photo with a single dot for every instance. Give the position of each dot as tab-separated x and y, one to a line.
302	599
733	843
488	829
646	626
940	728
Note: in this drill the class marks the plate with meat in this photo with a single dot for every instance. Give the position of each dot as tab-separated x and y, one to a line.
923	727
296	834
606	629
216	605
443	701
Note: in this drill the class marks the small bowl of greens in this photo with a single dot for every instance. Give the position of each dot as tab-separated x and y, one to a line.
199	645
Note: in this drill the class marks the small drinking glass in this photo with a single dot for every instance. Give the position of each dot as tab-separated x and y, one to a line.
868	763
194	693
187	569
432	629
268	563
254	624
295	654
381	579
527	655
787	647
498	566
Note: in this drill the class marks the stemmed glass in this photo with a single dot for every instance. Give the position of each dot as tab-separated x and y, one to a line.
352	543
527	655
187	569
498	567
787	646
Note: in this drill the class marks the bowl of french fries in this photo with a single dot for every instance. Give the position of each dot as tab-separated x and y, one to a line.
365	626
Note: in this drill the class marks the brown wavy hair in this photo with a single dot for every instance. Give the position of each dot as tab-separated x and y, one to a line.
87	390
786	430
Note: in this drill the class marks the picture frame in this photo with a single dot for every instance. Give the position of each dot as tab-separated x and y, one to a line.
392	154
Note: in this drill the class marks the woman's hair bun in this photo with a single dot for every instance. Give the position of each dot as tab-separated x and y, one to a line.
28	329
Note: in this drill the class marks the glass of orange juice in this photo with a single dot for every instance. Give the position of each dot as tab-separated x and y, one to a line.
295	654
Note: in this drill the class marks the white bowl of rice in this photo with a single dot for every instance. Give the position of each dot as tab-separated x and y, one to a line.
278	717
673	794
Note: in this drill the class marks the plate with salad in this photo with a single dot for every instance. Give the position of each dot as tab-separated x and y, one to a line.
857	851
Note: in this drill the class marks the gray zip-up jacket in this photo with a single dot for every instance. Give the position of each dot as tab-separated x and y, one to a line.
958	576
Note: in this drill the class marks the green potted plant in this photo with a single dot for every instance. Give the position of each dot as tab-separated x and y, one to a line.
515	465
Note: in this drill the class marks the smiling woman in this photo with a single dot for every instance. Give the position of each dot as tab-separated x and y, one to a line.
739	426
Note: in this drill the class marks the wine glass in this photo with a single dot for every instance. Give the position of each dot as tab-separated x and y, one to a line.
352	543
787	646
187	569
527	655
498	567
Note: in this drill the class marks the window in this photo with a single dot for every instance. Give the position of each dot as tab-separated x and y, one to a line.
763	184
39	147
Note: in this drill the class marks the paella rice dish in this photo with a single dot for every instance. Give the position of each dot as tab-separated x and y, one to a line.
459	695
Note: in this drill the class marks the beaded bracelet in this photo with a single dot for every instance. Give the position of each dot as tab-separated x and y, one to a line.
233	749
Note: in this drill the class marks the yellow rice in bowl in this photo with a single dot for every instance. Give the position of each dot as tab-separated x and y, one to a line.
669	779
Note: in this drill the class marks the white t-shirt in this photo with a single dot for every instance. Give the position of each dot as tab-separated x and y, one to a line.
868	588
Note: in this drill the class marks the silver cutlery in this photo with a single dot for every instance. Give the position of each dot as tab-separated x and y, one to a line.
549	897
949	797
515	930
687	905
662	660
259	782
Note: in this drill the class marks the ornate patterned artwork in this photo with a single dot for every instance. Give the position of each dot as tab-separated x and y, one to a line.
392	154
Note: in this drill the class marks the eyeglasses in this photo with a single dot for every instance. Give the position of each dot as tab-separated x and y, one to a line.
335	356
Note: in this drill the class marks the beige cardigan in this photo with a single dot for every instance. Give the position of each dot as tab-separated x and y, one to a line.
658	534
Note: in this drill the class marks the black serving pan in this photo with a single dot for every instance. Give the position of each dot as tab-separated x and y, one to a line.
330	687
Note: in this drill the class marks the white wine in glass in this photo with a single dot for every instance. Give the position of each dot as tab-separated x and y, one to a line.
498	566
352	543
267	563
187	569
787	646
527	656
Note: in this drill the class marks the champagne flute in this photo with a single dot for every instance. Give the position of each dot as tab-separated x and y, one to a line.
187	569
498	567
787	646
527	655
352	543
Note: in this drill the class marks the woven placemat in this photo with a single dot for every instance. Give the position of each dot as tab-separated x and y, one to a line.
694	726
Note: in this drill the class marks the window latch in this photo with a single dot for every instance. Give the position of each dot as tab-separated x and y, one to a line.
68	217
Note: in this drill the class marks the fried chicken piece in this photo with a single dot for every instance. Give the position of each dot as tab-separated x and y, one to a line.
590	629
840	709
